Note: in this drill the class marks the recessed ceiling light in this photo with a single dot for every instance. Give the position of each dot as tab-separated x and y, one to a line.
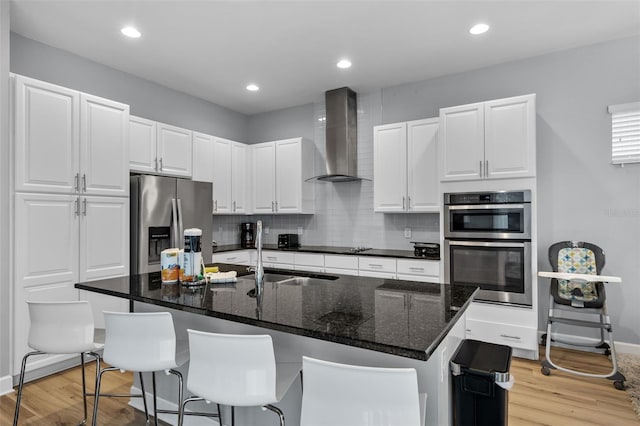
252	87
479	29
344	63
130	32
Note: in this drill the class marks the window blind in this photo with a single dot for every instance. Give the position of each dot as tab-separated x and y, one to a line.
625	133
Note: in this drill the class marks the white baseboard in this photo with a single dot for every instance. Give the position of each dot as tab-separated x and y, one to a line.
163	404
621	347
6	385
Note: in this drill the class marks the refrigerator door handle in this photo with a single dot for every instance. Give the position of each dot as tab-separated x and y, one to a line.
180	227
174	223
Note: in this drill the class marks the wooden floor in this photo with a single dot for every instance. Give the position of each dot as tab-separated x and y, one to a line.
559	399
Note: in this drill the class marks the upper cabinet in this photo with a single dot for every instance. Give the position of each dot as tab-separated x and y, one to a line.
160	148
69	142
229	177
202	157
405	166
489	140
279	172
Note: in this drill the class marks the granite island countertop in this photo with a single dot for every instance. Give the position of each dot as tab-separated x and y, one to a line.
408	254
402	318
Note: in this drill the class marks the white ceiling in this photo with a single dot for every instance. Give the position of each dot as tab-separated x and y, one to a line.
212	49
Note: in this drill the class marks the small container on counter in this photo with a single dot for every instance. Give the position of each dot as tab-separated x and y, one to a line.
170	265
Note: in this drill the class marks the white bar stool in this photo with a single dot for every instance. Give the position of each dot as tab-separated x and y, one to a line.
349	395
144	343
60	328
238	371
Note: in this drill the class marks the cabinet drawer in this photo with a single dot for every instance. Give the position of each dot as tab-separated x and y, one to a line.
237	257
377	264
308	268
278	257
341	262
428	268
309	259
341	271
503	334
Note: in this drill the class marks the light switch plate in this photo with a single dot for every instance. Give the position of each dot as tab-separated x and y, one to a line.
266	229
407	232
300	230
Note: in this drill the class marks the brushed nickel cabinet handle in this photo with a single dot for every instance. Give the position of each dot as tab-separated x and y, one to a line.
77	208
84	182
160	163
84	207
155	167
481	171
486	168
403	207
506	336
76	182
234	206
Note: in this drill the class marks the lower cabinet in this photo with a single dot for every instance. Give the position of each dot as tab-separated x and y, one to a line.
377	267
419	270
342	265
516	336
310	262
277	259
239	257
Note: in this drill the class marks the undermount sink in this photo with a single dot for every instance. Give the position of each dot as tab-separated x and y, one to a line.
300	278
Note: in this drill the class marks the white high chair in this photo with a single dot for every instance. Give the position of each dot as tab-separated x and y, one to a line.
350	395
60	328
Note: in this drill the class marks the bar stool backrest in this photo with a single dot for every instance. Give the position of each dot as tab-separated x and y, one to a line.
340	395
140	341
236	370
61	327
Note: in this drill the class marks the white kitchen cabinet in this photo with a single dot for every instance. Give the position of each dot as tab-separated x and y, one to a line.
100	303
516	336
238	257
489	140
175	150
312	262
202	157
419	270
143	156
377	267
341	264
69	142
104	237
280	170
229	179
278	259
405	164
62	239
160	148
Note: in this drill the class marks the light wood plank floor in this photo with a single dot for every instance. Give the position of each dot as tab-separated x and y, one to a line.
559	399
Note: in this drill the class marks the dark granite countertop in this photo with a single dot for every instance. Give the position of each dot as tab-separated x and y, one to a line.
397	317
331	250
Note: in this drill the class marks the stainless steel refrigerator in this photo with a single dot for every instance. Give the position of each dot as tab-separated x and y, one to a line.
161	209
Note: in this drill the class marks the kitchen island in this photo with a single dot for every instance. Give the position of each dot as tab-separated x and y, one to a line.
357	320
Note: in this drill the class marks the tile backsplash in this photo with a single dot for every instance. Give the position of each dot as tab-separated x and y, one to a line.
344	213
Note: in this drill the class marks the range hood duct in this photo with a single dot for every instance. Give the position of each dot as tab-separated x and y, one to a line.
341	136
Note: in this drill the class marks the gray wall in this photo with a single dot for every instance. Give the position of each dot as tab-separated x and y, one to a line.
146	99
5	276
281	124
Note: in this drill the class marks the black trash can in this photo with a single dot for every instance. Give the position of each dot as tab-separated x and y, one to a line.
477	368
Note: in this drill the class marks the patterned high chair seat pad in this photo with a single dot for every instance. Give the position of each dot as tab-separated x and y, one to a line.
577	260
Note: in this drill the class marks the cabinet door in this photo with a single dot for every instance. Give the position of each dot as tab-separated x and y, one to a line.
421	305
175	150
46	239
391	310
422	166
102	302
264	172
239	158
510	137
202	157
390	168
462	137
104	146
222	175
104	237
289	176
46	137
143	155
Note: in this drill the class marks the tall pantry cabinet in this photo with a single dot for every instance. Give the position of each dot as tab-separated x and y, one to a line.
71	199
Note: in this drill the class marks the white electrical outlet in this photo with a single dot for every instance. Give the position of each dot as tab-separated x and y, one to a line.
220	229
407	232
266	229
300	230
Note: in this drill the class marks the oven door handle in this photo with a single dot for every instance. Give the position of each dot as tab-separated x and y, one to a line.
486	207
484	244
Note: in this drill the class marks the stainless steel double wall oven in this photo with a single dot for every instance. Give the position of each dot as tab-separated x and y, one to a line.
488	243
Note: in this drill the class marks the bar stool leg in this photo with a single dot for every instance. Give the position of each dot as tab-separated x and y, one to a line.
277	411
155	399
21	384
84	390
94	421
144	398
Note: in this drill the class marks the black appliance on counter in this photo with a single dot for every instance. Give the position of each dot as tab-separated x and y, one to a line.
288	241
247	232
426	250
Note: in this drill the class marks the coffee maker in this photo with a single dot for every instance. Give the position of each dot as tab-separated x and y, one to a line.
247	232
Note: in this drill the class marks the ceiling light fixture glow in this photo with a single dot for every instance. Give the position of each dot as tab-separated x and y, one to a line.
479	29
252	87
344	63
131	32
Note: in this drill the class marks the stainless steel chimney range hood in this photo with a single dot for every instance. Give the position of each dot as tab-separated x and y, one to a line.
341	136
